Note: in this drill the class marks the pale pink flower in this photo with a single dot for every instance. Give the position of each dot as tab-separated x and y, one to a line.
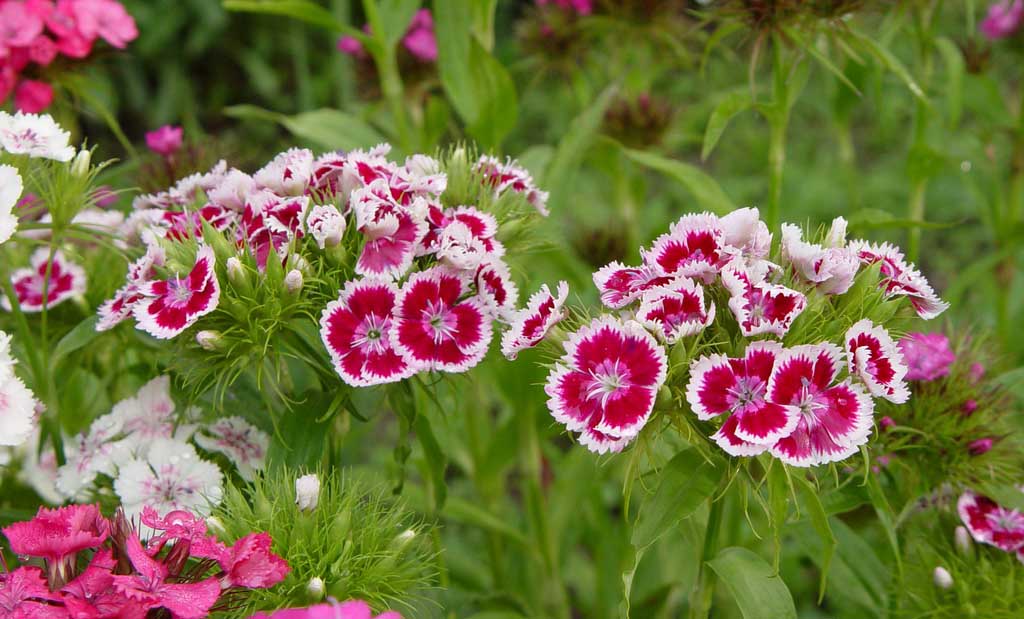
927	355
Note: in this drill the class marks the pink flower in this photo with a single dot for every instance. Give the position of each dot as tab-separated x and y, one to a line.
760	307
392	231
182	527
969	406
251	564
170	306
58	533
66	280
833	420
165	141
436	327
990	523
581	7
692	247
108	20
149	587
981	446
288	174
875	359
346	610
91	593
928	355
976	372
351	46
901	279
676	310
620	285
528	326
419	39
886	422
356	329
1004	18
18	27
24	593
831	269
43	50
271	222
737	388
33	96
510	176
606	384
494	286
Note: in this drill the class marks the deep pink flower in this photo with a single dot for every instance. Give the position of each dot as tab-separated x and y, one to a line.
166	140
33	96
969	406
436	327
494	286
875	359
928	355
148	586
250	563
581	7
693	247
66	280
182	527
976	372
58	533
900	278
91	594
351	46
737	388
106	19
18	27
760	307
393	232
419	39
606	384
510	176
528	326
356	329
1003	19
991	523
834	420
675	310
981	446
346	610
886	422
169	306
43	50
621	285
24	594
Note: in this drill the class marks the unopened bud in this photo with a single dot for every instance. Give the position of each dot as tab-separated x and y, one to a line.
962	539
236	271
969	406
315	589
214	524
886	422
80	166
307	492
980	446
942	578
209	340
402	540
293	281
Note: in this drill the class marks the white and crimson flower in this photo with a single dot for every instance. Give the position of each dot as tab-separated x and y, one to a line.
831	269
169	476
356	329
47	283
528	326
833	420
271	222
494	286
606	384
693	247
244	444
468	221
738	388
119	308
392	231
170	306
676	310
620	285
760	307
288	174
875	358
10	191
900	278
991	523
436	326
509	176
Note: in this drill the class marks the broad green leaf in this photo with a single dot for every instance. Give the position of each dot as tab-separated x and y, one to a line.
569	154
885	517
730	105
83	333
858	576
684	484
329	129
756	587
953	88
303	10
706	190
819	521
394	17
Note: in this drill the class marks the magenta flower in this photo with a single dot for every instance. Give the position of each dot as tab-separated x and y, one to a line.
991	523
760	307
419	39
875	359
900	278
981	446
66	280
33	96
581	7
108	20
436	327
1003	19
169	306
834	420
737	388
24	594
528	326
182	527
351	46
621	285
55	534
251	564
676	310
606	383
346	610
165	141
928	355
149	586
18	27
692	247
356	329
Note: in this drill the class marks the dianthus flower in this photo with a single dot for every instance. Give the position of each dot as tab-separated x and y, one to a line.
927	355
528	326
169	306
49	282
991	523
876	360
1004	18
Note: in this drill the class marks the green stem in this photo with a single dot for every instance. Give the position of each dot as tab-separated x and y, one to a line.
704	589
777	164
391	86
477	444
915	212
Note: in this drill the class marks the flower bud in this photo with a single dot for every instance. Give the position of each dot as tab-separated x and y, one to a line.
969	406
236	271
214	524
293	281
976	372
962	539
402	540
886	422
942	578
980	446
315	589
80	166
307	492
209	340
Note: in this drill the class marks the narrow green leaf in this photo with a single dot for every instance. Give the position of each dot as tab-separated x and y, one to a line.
953	88
83	333
327	128
823	60
889	61
757	589
684	484
706	190
819	521
303	10
885	517
436	462
778	503
562	168
731	105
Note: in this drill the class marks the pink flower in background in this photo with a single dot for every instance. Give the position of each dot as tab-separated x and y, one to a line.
419	39
581	7
18	27
354	609
981	446
47	283
165	141
33	96
1004	18
351	46
928	355
107	20
57	533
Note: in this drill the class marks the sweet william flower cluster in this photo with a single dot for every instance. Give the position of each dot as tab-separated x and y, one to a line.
783	357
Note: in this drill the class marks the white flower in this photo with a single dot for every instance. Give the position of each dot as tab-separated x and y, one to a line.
244	444
287	174
327	225
233	190
39	469
10	190
169	476
17	411
34	135
307	492
942	578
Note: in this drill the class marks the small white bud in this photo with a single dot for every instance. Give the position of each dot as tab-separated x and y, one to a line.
315	589
293	281
236	271
209	340
307	492
942	578
962	539
402	539
214	524
80	166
